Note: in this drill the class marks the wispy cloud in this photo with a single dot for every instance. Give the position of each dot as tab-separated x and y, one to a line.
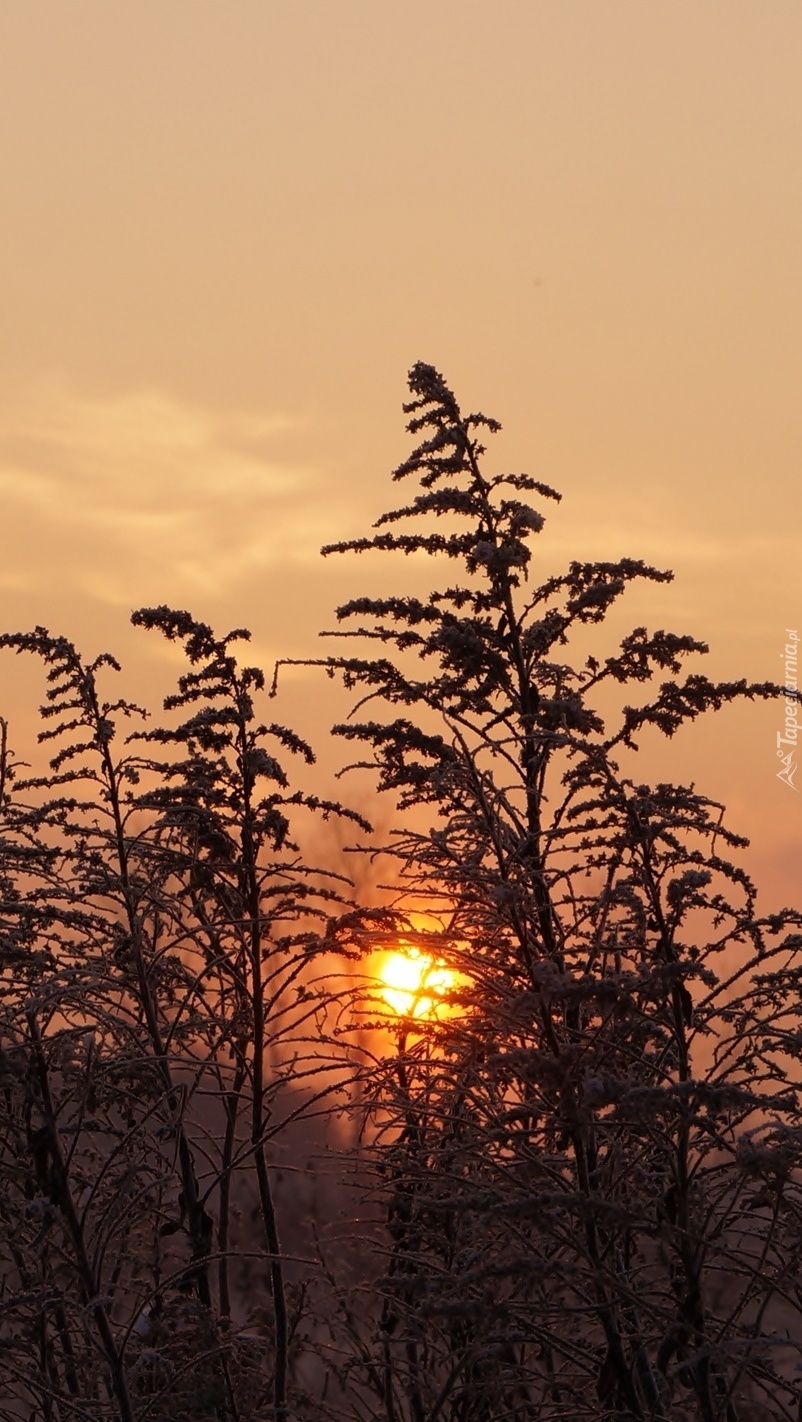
122	495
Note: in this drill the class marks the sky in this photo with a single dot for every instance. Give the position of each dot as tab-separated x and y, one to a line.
227	232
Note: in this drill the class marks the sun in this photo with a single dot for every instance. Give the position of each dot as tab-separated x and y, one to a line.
413	984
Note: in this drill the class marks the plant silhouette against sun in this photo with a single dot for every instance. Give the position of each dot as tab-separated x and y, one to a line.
590	1166
585	1137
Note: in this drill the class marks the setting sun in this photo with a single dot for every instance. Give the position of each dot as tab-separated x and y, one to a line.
413	983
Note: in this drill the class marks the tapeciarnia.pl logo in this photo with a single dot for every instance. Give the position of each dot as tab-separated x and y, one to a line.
787	739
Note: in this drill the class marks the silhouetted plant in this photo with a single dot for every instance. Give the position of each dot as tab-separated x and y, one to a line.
160	940
587	1154
591	1162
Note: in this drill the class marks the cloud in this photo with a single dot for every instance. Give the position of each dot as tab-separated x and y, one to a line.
139	494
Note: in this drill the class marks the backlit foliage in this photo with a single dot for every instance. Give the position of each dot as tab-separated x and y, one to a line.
572	1092
591	1171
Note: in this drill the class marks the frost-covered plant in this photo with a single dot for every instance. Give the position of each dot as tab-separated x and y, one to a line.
160	998
591	1162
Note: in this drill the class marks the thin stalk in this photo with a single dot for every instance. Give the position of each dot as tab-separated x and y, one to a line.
61	1196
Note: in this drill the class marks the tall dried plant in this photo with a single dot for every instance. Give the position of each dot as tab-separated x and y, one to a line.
589	1153
162	1014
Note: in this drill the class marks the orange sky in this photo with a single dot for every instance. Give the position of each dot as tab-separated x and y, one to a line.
228	230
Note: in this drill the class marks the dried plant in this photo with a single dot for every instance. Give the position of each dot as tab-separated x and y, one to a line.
163	1013
590	1152
583	1156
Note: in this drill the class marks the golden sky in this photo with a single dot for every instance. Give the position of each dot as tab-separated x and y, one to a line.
228	230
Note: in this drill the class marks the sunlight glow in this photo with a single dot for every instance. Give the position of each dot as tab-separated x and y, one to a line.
413	983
